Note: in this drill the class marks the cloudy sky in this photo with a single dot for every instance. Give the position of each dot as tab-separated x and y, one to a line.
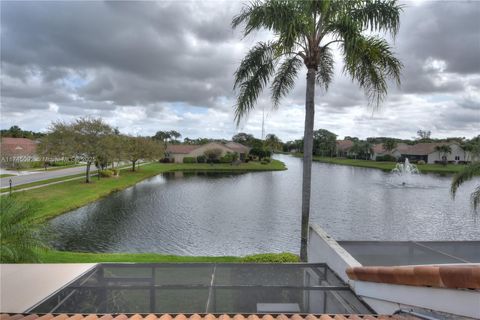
169	65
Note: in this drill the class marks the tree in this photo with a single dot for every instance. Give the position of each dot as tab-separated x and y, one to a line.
213	154
443	150
142	148
17	132
162	136
79	139
468	173
117	150
324	143
260	153
304	33
424	135
351	138
361	149
389	145
19	238
174	135
273	142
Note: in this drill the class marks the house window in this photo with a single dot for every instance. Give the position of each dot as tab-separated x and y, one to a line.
457	158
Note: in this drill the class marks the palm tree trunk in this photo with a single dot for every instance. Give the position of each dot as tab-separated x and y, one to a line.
307	161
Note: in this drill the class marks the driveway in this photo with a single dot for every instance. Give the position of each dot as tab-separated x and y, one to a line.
42	175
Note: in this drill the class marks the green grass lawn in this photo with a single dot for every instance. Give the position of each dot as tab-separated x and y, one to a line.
52	256
387	166
4	175
59	198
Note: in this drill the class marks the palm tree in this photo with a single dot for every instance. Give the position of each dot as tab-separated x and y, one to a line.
389	145
19	239
304	33
273	142
468	173
443	150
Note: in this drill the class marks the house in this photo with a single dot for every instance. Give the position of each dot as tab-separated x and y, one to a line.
343	147
378	150
423	152
18	150
238	148
428	153
177	152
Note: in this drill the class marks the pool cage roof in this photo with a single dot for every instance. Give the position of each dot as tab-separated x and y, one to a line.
205	288
397	253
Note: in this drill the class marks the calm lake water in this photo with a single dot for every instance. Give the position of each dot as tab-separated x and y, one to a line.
239	214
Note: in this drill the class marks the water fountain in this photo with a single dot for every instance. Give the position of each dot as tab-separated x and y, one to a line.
405	169
404	174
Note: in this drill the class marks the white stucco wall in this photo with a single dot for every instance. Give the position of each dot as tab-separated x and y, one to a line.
456	152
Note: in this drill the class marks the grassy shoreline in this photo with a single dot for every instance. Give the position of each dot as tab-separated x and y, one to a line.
386	166
56	199
53	256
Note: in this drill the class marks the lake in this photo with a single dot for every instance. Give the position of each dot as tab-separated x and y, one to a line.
239	214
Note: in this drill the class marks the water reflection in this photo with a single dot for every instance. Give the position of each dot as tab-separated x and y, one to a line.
204	213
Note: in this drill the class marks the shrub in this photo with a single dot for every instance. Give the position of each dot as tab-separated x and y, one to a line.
272	257
166	160
105	173
386	157
260	153
189	160
421	162
115	172
229	157
213	154
201	159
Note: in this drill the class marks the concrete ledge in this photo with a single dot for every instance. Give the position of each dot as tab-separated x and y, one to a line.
324	249
388	298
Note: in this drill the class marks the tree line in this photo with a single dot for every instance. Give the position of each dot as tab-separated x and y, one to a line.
95	142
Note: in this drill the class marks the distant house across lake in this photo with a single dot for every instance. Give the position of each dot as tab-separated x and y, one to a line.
177	152
343	148
425	152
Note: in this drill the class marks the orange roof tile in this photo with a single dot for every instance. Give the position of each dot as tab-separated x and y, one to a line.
182	148
442	276
209	317
344	145
18	146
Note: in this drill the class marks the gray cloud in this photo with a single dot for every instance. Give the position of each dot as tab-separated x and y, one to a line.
147	66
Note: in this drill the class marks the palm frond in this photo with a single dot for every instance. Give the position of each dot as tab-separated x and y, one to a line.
376	15
252	76
285	78
19	238
279	16
326	68
371	62
468	173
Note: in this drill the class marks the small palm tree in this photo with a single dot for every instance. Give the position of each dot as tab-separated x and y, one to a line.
19	238
304	33
443	150
468	173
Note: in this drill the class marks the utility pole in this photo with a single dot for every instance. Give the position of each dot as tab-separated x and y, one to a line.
263	123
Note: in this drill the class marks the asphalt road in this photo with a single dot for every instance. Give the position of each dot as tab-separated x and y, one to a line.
42	175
